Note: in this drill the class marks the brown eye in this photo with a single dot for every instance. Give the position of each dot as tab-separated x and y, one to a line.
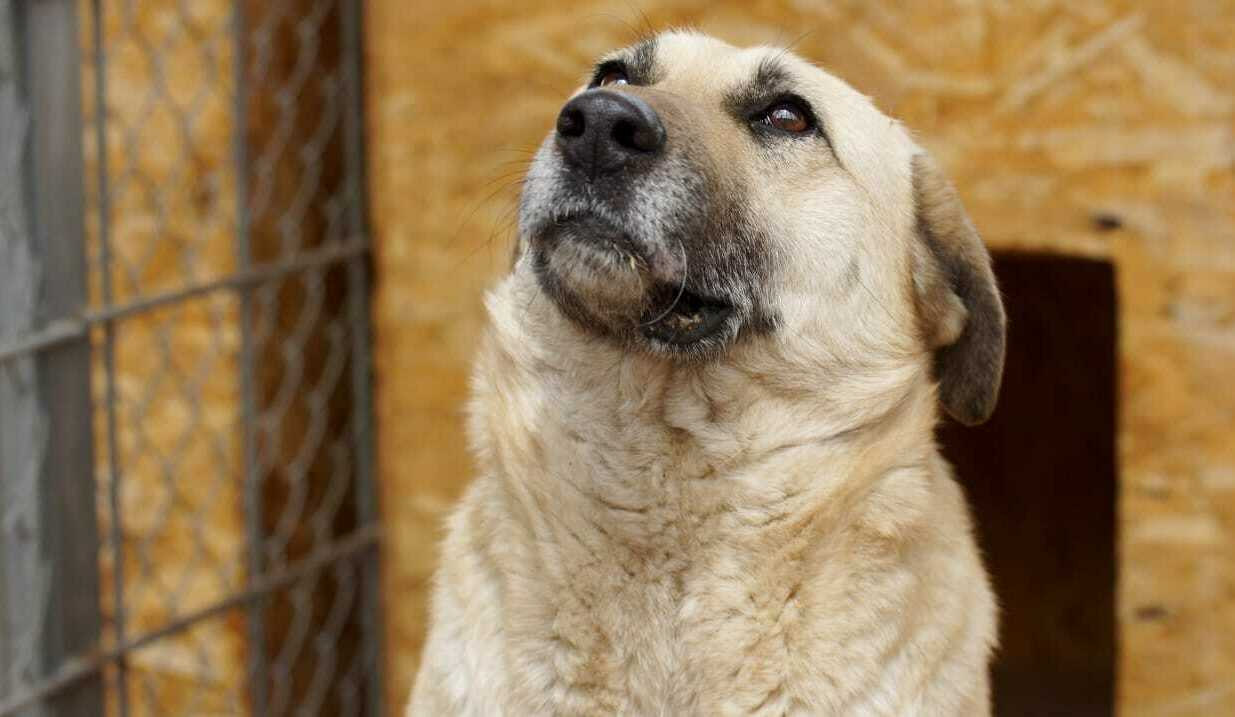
787	118
613	77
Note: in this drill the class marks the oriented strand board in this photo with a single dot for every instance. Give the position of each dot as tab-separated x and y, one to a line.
1101	129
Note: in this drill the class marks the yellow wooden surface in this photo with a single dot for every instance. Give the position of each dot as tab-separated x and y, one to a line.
1045	113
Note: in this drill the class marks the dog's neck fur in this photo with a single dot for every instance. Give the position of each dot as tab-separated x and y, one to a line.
588	427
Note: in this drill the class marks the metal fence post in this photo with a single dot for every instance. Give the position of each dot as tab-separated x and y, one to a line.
48	525
258	668
352	41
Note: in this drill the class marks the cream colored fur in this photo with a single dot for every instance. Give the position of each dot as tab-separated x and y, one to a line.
772	532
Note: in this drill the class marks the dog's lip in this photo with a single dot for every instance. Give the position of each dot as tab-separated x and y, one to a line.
659	261
597	233
688	319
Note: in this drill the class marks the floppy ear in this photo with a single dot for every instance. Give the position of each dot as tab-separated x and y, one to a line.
959	307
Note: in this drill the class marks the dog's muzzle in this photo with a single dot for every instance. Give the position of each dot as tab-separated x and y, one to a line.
616	216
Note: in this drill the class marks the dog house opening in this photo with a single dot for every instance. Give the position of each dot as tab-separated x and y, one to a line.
1041	477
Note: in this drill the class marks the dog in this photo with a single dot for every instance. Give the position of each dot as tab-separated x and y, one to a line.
704	412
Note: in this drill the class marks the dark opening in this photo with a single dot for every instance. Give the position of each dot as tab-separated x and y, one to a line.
1041	477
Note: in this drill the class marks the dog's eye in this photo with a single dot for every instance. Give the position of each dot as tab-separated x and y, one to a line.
787	117
614	76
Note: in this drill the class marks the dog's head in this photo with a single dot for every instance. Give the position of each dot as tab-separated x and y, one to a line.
695	196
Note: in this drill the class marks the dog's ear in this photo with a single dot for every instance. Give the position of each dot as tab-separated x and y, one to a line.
958	303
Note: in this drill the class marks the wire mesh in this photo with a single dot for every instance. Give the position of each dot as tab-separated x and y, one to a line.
226	324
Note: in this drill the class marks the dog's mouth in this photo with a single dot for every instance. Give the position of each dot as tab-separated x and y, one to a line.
611	281
685	318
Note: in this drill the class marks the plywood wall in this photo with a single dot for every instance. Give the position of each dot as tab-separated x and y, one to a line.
1100	128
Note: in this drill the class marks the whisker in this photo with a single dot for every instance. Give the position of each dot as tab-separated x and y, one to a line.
794	43
681	289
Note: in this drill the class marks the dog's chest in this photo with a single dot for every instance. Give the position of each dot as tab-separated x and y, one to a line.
695	619
657	580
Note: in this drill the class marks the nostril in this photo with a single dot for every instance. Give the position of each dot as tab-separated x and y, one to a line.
570	123
624	132
637	136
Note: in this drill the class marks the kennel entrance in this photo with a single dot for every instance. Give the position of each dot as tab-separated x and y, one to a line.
1041	478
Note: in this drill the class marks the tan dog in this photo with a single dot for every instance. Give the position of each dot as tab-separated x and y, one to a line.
704	413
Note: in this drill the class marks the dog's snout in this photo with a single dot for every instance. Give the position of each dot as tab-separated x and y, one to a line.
600	131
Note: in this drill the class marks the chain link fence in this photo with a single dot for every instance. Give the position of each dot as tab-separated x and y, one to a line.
187	509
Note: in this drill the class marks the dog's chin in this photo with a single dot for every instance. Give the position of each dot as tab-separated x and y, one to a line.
617	287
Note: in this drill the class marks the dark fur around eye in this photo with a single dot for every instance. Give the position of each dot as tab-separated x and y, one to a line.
605	69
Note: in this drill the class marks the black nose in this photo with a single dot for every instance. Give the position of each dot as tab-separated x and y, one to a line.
601	132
